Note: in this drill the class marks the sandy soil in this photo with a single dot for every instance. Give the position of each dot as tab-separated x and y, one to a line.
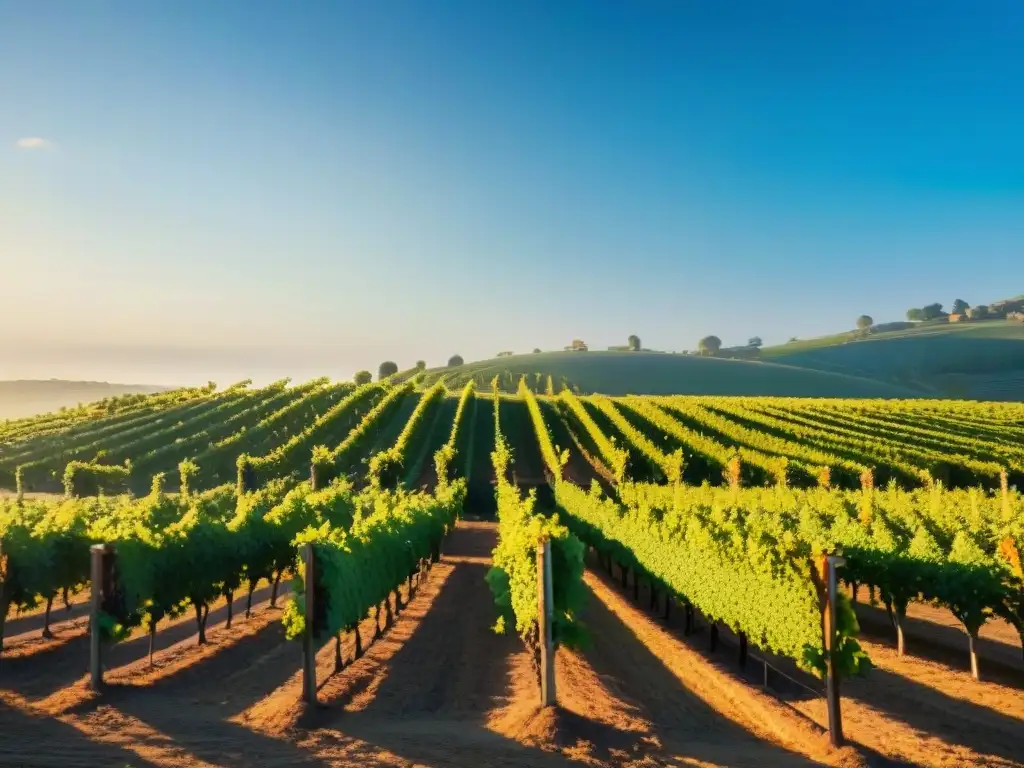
934	633
909	711
922	713
637	695
439	688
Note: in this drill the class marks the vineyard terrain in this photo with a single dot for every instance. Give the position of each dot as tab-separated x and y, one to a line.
650	373
683	531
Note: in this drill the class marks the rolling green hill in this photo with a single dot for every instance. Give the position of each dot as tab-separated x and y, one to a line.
980	361
28	397
620	373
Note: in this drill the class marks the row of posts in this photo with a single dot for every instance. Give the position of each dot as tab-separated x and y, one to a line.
545	614
832	695
545	605
309	609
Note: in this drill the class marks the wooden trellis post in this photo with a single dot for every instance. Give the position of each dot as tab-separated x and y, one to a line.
835	717
545	606
309	634
99	577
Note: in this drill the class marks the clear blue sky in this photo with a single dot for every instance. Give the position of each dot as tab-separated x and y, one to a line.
231	188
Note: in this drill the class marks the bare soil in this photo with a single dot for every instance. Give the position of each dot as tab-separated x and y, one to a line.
906	711
933	633
439	688
918	712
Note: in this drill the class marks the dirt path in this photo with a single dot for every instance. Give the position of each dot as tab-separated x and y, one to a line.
442	689
924	713
425	693
38	668
21	626
909	711
656	699
438	689
934	633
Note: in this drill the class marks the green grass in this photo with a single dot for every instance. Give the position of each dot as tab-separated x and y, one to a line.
651	373
982	360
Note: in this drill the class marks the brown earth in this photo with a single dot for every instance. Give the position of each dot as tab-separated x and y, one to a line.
909	711
439	688
934	633
922	713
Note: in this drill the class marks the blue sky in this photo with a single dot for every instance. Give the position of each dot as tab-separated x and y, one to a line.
259	188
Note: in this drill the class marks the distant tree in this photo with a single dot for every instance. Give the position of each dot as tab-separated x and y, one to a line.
792	339
754	341
363	377
709	345
864	322
536	350
932	311
421	365
386	369
915	314
960	307
455	360
634	343
979	312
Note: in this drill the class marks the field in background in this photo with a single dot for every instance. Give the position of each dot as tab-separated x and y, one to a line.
653	373
975	361
29	397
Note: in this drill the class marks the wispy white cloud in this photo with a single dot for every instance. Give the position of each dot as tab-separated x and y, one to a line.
33	142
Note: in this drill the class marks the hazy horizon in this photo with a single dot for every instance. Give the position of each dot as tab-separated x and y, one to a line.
236	190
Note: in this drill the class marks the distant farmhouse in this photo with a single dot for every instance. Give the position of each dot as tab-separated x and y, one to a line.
577	346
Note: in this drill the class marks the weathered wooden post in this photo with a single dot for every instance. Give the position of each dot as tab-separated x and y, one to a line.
308	635
545	600
835	718
97	555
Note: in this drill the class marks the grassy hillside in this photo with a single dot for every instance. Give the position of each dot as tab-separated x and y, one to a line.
29	397
983	361
620	373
